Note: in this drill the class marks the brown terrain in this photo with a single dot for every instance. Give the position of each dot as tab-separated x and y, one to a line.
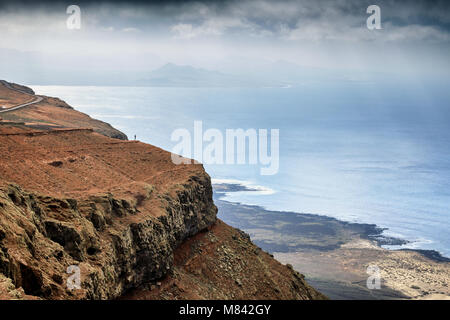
223	263
50	113
335	255
342	272
74	191
10	98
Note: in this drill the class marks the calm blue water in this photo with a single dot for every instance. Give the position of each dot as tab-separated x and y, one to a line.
356	152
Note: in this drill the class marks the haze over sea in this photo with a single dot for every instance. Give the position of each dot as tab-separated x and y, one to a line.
354	151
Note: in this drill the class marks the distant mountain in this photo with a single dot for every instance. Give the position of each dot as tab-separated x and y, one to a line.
276	74
172	75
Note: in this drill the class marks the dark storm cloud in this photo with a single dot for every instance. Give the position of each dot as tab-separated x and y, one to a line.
269	12
410	20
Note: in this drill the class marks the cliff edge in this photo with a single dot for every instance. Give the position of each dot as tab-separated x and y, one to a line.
136	225
50	113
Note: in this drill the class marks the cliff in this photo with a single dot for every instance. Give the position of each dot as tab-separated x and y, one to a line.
222	263
135	224
50	113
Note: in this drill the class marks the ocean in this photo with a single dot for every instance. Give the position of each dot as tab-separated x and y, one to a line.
358	152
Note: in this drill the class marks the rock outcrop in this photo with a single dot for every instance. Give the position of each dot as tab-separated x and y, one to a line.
222	263
115	244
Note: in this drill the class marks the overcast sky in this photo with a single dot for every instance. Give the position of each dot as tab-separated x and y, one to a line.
230	36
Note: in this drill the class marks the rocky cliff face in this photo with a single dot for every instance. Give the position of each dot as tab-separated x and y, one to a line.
126	216
222	263
117	209
116	245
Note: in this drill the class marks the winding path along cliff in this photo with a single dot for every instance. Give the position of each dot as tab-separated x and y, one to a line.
137	225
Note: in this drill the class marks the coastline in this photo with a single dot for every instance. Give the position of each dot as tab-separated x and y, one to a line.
334	254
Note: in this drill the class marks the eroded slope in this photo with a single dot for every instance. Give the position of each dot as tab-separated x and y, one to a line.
48	114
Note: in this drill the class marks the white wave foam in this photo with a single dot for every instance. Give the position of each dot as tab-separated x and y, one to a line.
255	189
